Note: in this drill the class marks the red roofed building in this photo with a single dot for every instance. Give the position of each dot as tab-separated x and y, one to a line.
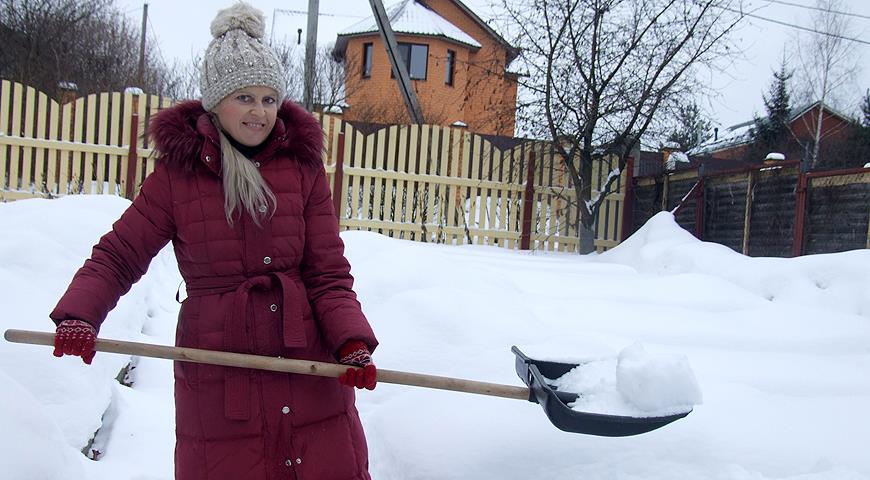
457	63
734	143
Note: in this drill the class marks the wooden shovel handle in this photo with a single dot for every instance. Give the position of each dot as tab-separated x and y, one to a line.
259	362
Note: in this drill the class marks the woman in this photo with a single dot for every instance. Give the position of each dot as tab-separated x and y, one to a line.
241	192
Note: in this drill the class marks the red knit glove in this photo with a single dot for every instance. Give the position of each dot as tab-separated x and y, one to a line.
356	353
75	337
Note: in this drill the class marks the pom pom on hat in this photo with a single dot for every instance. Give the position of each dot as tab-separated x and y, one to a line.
237	57
240	16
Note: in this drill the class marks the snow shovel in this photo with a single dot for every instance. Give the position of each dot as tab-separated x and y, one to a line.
533	373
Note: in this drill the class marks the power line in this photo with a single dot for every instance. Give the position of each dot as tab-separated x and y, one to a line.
303	12
156	42
820	9
799	27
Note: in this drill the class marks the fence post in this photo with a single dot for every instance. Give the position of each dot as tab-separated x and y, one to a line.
747	213
526	225
800	209
337	194
132	154
699	208
868	233
666	186
628	201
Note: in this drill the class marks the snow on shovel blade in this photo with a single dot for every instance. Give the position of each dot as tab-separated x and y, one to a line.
534	372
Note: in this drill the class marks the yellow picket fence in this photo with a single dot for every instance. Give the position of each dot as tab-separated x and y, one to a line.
446	185
418	182
48	149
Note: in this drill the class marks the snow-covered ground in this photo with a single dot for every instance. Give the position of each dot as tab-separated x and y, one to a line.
780	349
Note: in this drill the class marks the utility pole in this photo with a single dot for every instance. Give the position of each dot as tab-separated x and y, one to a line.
141	75
399	67
310	55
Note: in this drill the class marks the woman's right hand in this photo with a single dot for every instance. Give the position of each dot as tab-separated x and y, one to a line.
356	353
75	337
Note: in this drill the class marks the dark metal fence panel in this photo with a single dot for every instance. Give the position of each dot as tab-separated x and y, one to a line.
838	214
835	206
771	224
647	202
677	189
724	210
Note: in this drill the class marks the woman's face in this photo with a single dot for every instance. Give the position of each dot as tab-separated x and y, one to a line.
248	114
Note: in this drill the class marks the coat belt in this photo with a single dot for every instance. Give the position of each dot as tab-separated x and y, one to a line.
238	331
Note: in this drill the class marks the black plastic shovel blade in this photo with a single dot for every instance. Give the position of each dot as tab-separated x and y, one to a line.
535	372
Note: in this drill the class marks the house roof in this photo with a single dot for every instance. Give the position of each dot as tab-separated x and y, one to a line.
409	17
741	133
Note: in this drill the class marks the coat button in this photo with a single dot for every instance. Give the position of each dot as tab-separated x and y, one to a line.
257	164
207	158
285	410
273	307
288	462
262	209
298	461
267	260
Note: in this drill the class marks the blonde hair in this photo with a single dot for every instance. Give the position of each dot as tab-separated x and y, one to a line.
244	187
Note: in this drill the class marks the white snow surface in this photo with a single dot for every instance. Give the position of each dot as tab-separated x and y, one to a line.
674	158
779	347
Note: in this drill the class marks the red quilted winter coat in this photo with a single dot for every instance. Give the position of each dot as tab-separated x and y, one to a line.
283	289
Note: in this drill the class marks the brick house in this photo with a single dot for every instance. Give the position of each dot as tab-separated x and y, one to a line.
457	63
734	143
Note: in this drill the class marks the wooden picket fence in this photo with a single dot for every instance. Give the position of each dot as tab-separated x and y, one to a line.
418	182
92	145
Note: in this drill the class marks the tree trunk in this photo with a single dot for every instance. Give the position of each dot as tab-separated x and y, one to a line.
586	235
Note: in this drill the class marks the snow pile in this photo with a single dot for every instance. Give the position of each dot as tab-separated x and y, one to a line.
837	282
770	340
659	384
675	158
635	383
61	403
32	446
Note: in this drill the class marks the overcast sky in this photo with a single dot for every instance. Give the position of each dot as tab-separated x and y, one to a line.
181	29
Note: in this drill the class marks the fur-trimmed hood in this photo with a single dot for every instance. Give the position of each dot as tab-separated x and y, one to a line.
184	135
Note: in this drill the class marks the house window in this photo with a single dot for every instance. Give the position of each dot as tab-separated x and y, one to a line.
415	57
451	61
367	60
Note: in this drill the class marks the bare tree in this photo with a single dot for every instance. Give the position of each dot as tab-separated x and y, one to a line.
182	80
827	60
87	42
600	70
329	88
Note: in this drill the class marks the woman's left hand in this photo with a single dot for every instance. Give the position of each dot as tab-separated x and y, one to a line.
356	353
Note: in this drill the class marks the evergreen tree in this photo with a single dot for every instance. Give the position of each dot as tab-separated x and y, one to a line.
865	110
772	133
690	126
861	147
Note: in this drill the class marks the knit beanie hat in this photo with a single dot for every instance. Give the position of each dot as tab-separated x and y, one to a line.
237	57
